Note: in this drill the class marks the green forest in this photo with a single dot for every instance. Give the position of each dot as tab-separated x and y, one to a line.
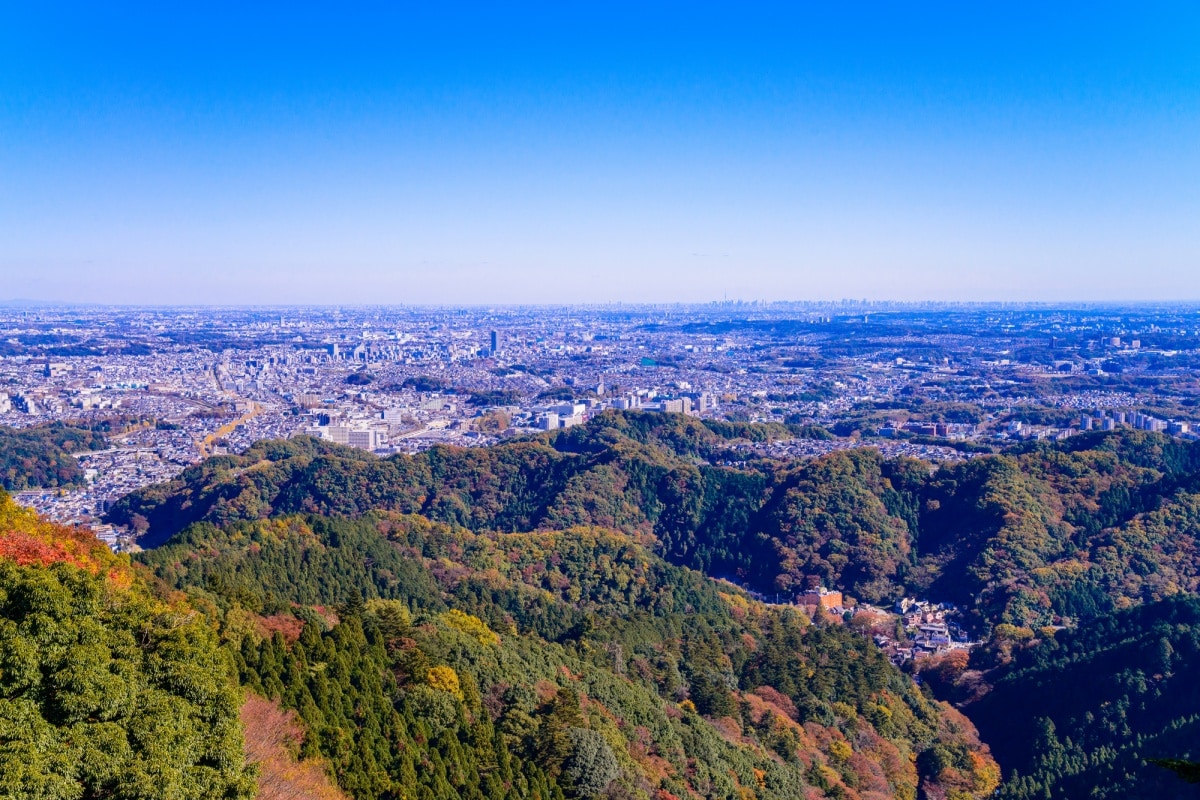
570	615
1045	534
1095	703
40	457
107	690
424	660
573	662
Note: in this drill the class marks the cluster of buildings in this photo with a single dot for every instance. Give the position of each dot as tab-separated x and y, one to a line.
1102	420
388	380
1108	421
802	448
923	629
570	413
362	436
911	629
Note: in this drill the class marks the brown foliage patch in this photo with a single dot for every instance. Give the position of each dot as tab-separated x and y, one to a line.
285	624
273	738
778	700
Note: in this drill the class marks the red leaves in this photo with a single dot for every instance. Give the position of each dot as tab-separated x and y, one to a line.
31	541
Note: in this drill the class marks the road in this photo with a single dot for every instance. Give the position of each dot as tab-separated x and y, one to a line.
205	446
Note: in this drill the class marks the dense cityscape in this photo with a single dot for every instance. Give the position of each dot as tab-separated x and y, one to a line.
936	382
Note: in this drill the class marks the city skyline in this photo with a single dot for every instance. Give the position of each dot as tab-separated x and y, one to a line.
551	155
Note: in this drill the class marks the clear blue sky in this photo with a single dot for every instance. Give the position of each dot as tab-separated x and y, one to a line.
522	152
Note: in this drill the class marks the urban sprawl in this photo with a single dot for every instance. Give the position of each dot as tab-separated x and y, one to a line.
937	382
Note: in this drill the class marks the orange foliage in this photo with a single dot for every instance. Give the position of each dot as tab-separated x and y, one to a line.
948	666
778	699
273	737
729	729
31	541
545	690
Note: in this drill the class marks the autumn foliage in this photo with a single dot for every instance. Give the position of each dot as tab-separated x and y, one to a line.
31	541
273	739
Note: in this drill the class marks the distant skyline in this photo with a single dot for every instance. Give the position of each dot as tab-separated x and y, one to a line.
546	153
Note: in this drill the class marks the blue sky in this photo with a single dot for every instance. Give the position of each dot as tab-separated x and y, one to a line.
567	152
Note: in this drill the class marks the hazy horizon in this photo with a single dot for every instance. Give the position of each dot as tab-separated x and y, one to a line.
550	155
814	303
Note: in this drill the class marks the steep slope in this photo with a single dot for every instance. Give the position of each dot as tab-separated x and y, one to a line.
573	662
273	741
1039	535
828	518
1081	713
105	691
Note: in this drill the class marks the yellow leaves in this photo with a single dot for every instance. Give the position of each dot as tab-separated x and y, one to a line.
844	710
1005	631
28	540
840	749
986	774
120	579
830	775
444	679
688	706
470	625
15	517
735	600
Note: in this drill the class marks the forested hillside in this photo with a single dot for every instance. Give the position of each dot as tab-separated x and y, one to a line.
1080	714
430	661
40	457
427	661
1039	535
106	691
533	619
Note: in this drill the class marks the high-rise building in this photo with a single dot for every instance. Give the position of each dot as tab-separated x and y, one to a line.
364	438
569	409
369	439
702	401
497	342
